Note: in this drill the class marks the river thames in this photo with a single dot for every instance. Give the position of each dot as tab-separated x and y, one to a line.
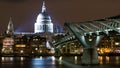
61	62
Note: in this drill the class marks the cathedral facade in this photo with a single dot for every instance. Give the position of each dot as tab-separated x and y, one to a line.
43	23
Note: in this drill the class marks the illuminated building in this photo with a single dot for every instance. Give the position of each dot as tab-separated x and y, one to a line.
44	26
8	43
8	39
10	29
34	43
43	23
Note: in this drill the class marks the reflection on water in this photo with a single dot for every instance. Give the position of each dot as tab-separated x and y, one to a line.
107	59
104	59
60	60
53	62
117	58
53	59
100	59
7	59
75	60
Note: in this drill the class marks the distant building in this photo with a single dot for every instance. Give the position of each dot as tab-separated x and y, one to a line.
10	29
43	23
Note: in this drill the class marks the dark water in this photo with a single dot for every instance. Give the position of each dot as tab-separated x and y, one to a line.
61	62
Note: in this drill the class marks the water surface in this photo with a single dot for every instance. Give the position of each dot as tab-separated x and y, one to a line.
59	62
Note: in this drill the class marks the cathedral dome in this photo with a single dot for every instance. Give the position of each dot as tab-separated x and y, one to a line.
43	18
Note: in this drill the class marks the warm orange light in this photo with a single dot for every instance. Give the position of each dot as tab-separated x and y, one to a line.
104	50
20	45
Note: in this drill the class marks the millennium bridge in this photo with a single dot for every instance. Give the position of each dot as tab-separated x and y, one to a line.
89	34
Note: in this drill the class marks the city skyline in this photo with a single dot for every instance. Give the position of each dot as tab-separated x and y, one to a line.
24	12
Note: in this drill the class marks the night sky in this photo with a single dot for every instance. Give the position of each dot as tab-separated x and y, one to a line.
24	12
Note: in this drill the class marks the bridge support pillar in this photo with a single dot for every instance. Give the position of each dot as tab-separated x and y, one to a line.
57	52
89	43
90	56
